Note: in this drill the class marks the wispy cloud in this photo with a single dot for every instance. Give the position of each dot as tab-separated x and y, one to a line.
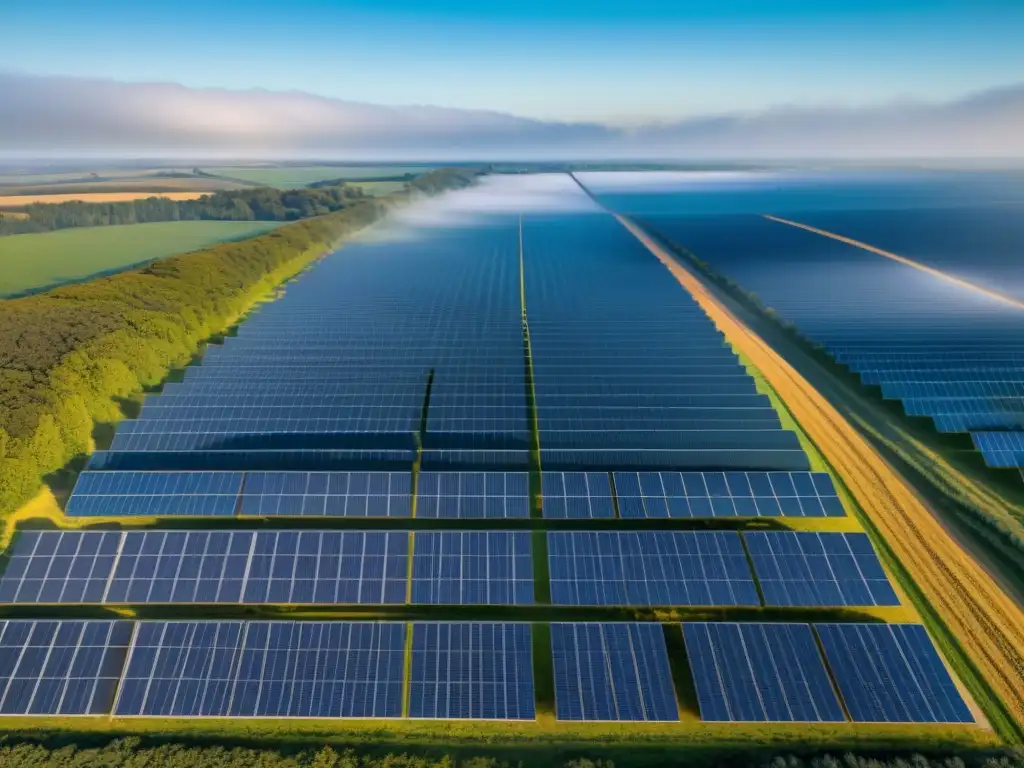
66	115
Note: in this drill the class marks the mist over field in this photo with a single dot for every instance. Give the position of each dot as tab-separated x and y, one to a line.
67	116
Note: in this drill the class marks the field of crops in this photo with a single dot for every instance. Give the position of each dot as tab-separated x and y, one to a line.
31	262
17	201
300	176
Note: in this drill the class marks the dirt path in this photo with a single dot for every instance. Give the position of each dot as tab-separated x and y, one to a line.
988	623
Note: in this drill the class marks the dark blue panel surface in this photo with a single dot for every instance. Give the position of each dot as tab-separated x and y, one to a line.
608	672
1000	449
759	673
61	667
891	673
481	671
472	568
726	494
195	567
818	569
328	494
576	495
649	568
264	669
155	494
472	495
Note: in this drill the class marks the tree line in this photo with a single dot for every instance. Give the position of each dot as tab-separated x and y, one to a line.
256	204
129	753
68	353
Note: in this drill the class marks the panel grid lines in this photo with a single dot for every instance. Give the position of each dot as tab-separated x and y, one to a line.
726	494
264	669
891	673
803	568
61	667
612	672
472	568
205	567
649	568
482	671
473	495
759	673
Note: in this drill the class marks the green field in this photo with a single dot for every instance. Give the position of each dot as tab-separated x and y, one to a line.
380	188
300	176
31	262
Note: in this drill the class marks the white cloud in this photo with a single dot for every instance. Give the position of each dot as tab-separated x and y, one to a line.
65	115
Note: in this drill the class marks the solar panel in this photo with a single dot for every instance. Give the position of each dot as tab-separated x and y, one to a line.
59	566
264	669
607	672
649	568
155	494
899	391
267	459
472	568
667	458
473	495
1000	449
891	673
481	671
818	569
62	667
475	460
576	495
759	673
329	494
726	494
951	372
196	567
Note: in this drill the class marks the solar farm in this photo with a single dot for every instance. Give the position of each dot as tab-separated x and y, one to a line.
486	466
942	350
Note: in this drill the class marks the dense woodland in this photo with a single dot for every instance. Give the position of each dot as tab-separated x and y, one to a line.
257	204
128	753
67	354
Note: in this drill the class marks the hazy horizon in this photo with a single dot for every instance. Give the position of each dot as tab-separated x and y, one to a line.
528	80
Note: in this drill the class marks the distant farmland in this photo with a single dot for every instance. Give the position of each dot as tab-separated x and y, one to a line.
378	188
300	176
31	262
17	201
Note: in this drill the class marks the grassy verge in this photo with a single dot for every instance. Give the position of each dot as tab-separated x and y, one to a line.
531	740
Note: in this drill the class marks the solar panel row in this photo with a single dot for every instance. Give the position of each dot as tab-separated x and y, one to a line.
602	671
465	495
648	568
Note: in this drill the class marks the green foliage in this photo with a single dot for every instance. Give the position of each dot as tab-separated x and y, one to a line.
65	354
131	753
258	204
445	178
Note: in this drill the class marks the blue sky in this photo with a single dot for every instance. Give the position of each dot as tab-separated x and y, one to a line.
623	62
